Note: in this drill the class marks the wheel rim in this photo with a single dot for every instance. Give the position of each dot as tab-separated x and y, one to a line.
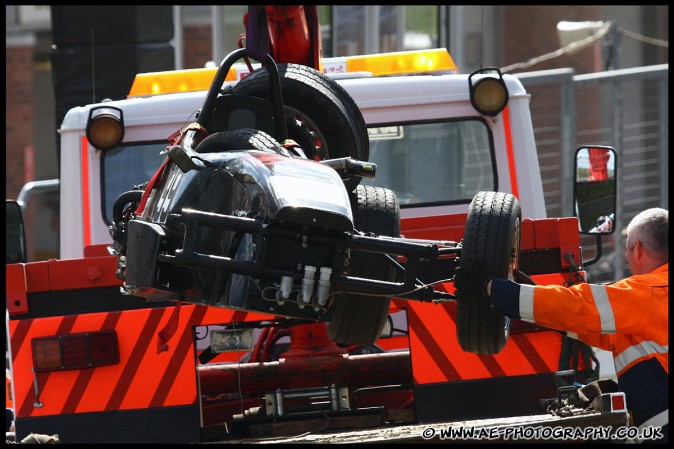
312	136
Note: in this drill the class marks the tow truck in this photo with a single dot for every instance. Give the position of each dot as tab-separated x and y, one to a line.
227	274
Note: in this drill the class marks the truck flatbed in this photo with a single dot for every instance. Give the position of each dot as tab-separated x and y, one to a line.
580	426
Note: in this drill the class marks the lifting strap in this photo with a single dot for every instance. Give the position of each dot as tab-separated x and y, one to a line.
573	351
257	34
164	335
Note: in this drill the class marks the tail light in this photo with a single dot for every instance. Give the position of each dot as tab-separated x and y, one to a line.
75	351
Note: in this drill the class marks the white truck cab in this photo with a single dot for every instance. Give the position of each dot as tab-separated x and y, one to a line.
430	144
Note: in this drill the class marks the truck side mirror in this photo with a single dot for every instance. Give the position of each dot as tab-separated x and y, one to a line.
15	234
594	189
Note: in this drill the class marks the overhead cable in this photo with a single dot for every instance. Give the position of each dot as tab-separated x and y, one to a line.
580	44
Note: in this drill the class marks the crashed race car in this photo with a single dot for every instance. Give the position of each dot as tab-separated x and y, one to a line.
258	207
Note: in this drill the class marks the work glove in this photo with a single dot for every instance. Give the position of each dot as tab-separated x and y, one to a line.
471	280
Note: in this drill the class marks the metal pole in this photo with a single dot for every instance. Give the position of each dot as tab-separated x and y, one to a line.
664	140
456	35
179	54
400	27
371	29
610	47
617	108
217	28
443	27
568	142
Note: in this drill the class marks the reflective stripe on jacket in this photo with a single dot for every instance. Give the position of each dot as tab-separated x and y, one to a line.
630	318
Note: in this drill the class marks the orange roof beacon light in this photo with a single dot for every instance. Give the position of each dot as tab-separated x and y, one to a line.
488	95
105	127
431	61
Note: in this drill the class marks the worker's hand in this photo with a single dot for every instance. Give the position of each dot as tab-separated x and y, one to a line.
470	280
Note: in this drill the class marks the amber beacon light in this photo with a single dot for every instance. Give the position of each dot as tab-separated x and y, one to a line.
488	93
105	127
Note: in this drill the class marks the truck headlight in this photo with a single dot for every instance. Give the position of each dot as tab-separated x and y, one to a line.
105	127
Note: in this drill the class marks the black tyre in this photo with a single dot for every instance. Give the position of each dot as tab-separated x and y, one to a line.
358	319
240	139
492	237
320	115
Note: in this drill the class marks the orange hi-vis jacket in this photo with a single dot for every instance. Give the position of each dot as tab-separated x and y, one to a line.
630	318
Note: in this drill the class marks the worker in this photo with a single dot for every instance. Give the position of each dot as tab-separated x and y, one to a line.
629	318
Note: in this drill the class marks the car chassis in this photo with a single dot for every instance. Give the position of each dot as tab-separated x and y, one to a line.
237	223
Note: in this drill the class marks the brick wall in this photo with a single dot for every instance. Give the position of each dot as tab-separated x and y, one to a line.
531	31
18	110
197	41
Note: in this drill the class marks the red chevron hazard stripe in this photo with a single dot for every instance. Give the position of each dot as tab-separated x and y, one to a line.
438	357
143	377
84	376
130	384
138	351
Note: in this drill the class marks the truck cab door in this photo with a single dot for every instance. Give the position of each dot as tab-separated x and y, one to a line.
15	234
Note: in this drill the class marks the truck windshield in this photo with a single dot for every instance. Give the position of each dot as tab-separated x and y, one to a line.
125	167
433	163
424	163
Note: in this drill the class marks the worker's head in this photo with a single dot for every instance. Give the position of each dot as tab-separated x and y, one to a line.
648	240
